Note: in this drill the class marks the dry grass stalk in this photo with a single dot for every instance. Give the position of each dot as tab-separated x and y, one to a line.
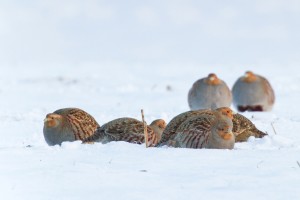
273	128
145	129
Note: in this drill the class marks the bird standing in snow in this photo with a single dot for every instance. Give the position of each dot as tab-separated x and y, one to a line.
253	92
68	124
209	93
128	130
206	130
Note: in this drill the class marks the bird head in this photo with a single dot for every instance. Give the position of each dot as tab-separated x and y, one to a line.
225	131
226	112
52	120
160	123
249	76
212	79
158	126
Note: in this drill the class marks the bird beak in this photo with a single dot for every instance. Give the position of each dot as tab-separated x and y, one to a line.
46	119
212	78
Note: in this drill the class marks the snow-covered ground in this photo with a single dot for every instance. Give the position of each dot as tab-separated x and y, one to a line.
29	169
114	63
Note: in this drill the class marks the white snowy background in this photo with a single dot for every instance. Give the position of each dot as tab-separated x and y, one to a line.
112	58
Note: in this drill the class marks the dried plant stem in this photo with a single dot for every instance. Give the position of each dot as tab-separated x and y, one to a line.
273	128
145	128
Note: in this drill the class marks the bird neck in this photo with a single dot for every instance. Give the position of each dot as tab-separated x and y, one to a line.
157	131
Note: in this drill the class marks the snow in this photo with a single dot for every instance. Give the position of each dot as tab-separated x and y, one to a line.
29	169
144	56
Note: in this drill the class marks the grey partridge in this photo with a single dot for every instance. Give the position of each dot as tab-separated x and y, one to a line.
128	130
253	92
209	93
243	128
68	124
212	131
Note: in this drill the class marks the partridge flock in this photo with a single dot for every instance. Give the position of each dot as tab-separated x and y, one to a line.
209	124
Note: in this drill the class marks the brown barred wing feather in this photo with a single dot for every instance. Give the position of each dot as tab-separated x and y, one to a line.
123	129
171	129
194	133
243	128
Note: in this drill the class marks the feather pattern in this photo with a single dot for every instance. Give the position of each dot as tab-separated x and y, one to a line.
68	124
206	130
194	133
172	126
243	128
124	129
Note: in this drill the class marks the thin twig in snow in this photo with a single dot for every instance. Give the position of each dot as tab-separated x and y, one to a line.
298	163
273	128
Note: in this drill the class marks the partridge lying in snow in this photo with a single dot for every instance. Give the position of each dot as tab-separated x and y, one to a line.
209	93
173	125
68	124
206	130
129	130
243	128
253	93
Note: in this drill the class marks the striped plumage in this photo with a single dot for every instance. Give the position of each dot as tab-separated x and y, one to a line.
129	130
243	128
253	92
206	130
68	124
170	130
209	93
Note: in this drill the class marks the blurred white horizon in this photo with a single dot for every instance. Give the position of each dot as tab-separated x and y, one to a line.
77	33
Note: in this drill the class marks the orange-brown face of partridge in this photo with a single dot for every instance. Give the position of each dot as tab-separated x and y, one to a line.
158	126
249	77
52	120
225	133
212	79
160	123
